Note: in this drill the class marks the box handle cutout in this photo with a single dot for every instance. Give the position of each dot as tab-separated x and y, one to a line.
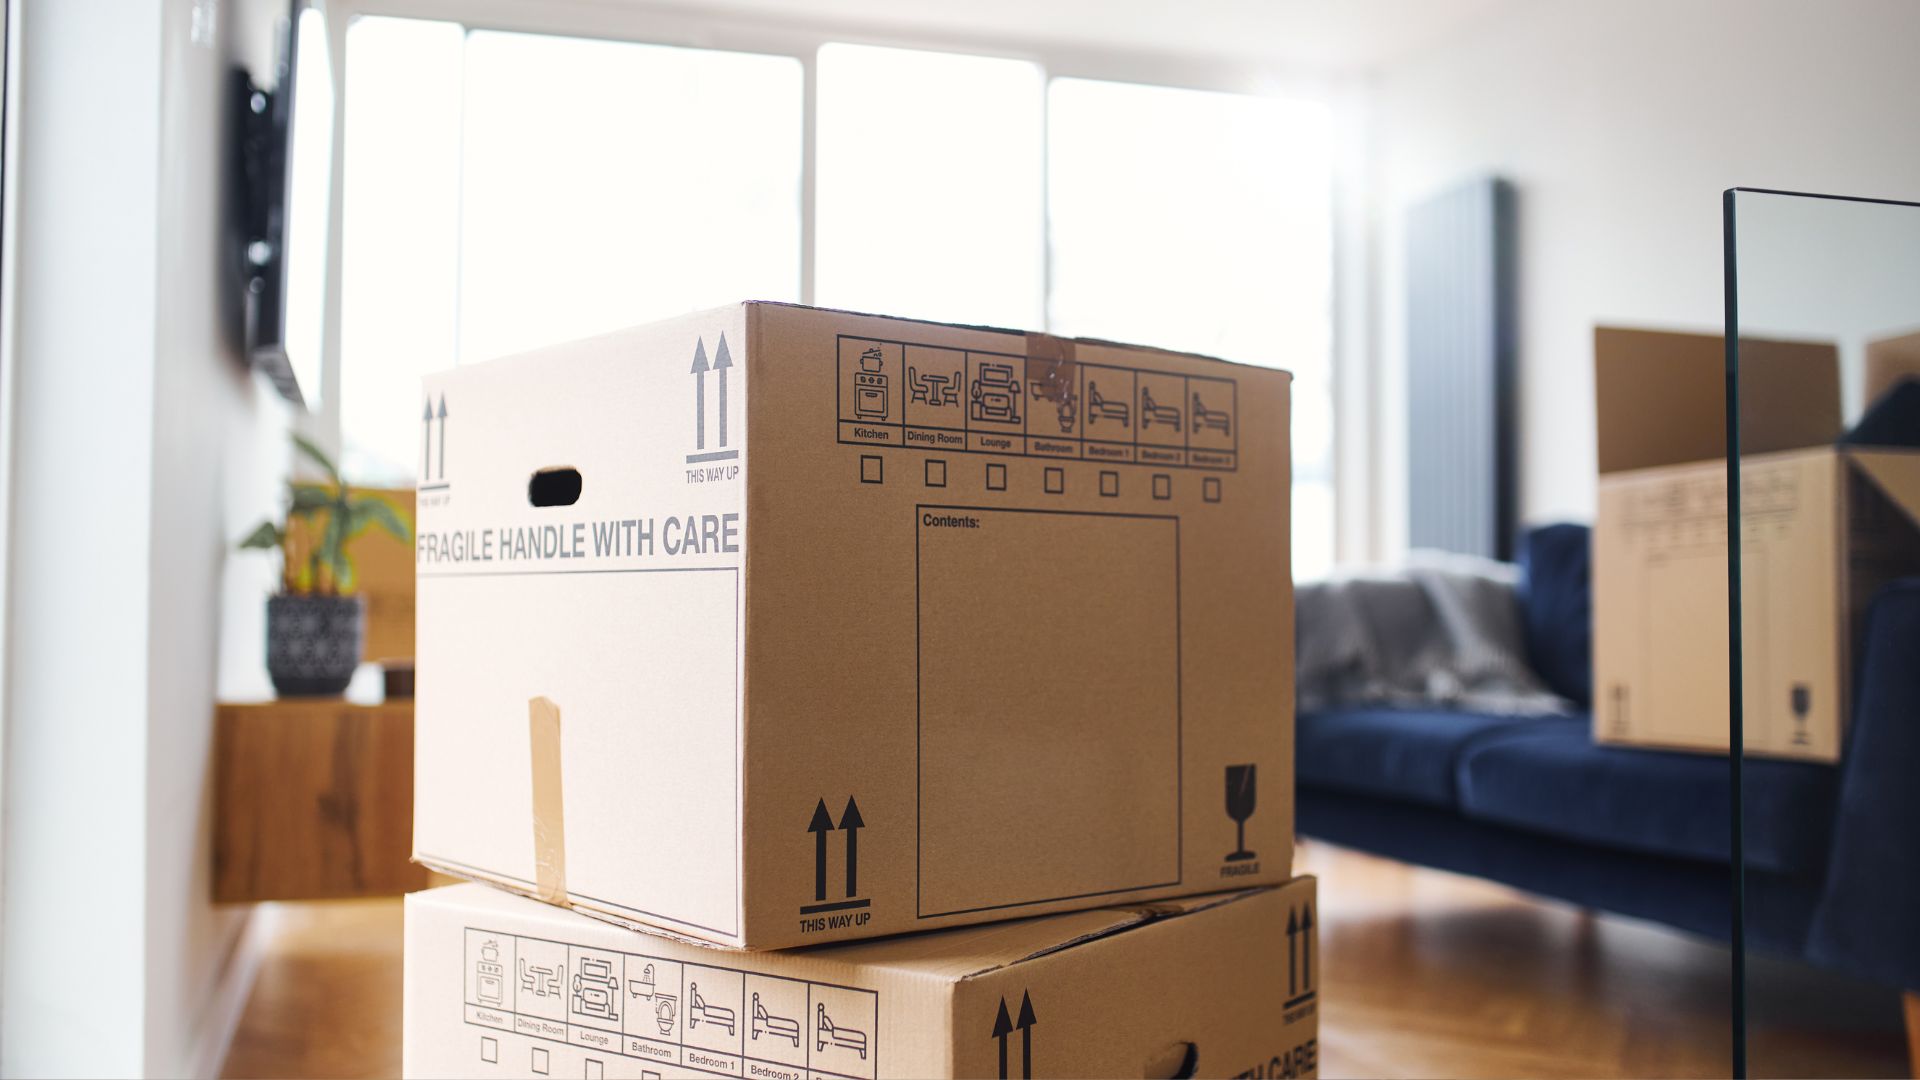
556	486
1181	1061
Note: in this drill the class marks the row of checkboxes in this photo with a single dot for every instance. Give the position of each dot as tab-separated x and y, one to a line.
541	1062
1053	478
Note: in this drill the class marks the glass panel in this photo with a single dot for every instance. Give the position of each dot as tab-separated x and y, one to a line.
930	186
1826	309
1203	221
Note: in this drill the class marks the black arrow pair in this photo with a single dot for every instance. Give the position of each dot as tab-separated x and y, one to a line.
1299	950
850	823
722	360
426	450
1004	1025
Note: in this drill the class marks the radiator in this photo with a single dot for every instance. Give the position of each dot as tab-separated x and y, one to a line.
1460	371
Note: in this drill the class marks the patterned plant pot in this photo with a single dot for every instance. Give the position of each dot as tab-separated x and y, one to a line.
313	643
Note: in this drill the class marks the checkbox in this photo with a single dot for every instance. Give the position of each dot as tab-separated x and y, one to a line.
870	468
1162	486
936	472
996	477
489	1049
1109	484
1056	480
1210	489
540	1060
596	1069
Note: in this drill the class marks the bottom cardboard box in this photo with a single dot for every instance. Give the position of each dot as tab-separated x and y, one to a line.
1220	985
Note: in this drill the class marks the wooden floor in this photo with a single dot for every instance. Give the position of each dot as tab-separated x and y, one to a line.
1427	974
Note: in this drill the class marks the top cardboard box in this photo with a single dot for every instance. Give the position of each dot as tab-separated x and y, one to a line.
773	625
1826	519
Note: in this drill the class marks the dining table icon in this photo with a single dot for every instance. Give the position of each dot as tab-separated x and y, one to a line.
1241	794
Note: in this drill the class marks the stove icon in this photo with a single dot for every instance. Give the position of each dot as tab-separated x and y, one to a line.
871	401
488	975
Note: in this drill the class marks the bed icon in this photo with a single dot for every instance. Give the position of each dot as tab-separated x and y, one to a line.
827	1034
1152	411
1204	417
1101	408
777	1026
698	1010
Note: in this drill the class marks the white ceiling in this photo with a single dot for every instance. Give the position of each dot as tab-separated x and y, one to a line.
1333	36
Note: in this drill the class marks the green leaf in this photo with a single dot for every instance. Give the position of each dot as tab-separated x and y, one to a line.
318	456
310	497
369	510
264	537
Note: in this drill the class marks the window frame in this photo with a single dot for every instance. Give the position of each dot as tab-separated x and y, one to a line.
1352	359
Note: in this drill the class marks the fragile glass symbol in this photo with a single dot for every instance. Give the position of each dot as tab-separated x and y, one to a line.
1240	803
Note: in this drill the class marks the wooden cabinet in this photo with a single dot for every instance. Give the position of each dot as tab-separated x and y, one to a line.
313	799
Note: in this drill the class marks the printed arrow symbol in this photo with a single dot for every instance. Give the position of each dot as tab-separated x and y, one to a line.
426	442
821	825
699	371
1306	948
1025	1024
1002	1027
851	822
443	436
1293	954
722	360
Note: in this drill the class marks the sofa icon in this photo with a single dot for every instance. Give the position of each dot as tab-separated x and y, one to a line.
826	1034
777	1026
1101	408
1151	410
698	1010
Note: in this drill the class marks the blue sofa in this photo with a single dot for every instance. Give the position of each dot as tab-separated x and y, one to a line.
1832	853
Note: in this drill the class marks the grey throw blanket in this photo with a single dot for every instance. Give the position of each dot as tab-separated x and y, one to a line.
1443	630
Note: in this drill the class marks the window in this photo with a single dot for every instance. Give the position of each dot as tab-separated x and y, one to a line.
1203	221
506	190
931	197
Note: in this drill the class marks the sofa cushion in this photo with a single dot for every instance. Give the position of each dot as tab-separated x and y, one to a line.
1404	754
1552	778
1556	606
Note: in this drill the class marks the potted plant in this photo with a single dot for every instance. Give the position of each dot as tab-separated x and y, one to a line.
316	623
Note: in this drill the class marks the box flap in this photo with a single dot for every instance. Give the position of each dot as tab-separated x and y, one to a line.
968	951
1893	419
1660	396
1890	360
1897	474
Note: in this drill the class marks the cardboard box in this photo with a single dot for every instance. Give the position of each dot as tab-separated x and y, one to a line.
1823	526
1890	360
853	626
1220	985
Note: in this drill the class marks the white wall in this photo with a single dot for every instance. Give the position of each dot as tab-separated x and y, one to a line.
141	448
1620	124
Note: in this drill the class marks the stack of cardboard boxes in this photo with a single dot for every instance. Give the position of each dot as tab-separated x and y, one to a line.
954	664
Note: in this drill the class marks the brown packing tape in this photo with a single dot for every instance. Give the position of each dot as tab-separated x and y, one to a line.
549	819
1051	368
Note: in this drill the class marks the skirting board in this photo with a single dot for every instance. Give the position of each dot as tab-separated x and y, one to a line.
229	1001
